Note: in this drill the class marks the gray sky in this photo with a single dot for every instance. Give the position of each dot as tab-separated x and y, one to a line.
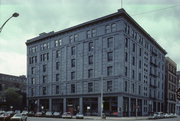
37	16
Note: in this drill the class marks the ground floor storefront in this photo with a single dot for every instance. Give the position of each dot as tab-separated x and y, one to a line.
91	105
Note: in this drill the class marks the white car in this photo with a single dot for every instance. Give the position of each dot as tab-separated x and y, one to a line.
160	115
79	116
153	116
18	117
24	112
57	114
48	114
66	115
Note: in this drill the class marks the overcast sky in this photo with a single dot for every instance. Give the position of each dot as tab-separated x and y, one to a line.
37	16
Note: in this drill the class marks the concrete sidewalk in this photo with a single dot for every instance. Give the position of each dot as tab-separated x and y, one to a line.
117	118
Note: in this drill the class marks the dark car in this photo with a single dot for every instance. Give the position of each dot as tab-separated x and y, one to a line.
5	117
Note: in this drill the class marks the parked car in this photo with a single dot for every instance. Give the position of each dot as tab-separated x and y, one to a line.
5	117
48	114
153	116
38	114
160	115
31	113
57	114
11	113
79	116
166	115
66	115
19	117
24	112
1	112
17	111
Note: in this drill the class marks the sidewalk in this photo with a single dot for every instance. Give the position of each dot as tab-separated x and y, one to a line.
117	118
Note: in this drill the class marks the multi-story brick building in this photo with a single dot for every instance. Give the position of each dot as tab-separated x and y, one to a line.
170	86
66	68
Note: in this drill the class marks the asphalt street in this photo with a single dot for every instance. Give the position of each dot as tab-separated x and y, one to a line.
97	119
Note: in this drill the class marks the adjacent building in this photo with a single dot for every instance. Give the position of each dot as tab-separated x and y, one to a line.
66	69
178	101
170	86
11	81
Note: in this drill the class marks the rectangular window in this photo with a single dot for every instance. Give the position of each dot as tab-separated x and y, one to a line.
76	37
109	56
32	92
93	32
44	68
133	74
57	89
139	63
133	61
72	62
90	87
140	51
32	70
57	77
88	34
90	59
90	73
108	29
110	42
44	90
72	88
109	86
73	75
109	70
139	76
57	65
125	71
91	47
113	27
126	56
134	48
44	79
32	80
71	39
125	86
57	53
73	50
126	42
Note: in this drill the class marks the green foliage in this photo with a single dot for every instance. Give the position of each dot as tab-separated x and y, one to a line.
13	98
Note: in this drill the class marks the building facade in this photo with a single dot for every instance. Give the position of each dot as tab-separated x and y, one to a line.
178	101
66	69
170	86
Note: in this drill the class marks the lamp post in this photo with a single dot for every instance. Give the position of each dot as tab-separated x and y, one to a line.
13	15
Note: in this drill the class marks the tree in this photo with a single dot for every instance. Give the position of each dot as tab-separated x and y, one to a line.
13	98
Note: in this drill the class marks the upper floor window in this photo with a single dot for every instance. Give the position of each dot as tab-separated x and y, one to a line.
44	68
88	34
113	27
90	59
57	89
57	77
76	37
90	87
90	73
57	65
72	62
73	50
58	43
125	71
73	88
108	29
72	75
110	42
44	79
109	70
32	80
32	70
134	47
126	42
109	56
44	91
45	46
91	46
57	53
125	86
71	39
126	56
109	86
93	32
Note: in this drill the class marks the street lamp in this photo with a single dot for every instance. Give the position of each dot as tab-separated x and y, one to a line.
13	15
